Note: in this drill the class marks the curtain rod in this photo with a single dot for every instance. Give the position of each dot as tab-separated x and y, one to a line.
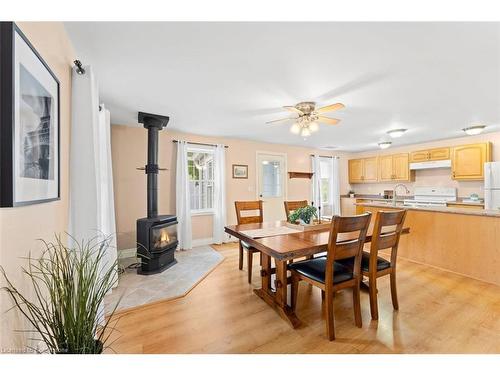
325	156
198	143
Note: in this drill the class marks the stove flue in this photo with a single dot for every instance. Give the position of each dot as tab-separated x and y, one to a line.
156	234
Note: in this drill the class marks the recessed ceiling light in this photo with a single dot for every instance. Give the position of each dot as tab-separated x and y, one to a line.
384	145
396	133
474	130
328	147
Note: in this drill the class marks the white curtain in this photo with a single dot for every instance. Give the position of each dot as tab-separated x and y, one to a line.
219	194
331	170
316	181
183	209
92	211
335	186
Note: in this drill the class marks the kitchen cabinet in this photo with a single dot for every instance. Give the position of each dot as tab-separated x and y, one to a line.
363	170
394	168
467	162
442	153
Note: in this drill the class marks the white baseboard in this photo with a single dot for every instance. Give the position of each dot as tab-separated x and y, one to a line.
202	242
127	253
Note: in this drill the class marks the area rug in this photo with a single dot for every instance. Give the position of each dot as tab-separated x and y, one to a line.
137	290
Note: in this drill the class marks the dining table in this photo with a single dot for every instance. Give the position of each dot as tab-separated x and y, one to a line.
275	241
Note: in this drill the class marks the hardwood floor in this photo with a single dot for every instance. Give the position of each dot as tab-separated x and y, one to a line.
439	312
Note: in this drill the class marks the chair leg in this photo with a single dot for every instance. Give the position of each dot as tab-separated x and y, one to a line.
394	292
260	258
295	291
240	261
357	305
330	319
372	291
249	265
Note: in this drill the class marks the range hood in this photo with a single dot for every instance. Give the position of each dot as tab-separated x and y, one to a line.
431	164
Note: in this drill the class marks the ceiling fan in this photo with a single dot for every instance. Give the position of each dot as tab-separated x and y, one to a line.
309	116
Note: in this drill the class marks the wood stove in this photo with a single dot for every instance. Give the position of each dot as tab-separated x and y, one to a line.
156	234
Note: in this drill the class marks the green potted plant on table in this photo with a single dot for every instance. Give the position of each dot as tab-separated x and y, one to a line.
69	285
303	215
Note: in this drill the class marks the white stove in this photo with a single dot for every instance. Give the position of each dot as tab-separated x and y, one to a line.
432	197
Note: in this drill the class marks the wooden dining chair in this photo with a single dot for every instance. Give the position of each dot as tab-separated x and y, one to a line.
374	266
329	275
291	206
241	207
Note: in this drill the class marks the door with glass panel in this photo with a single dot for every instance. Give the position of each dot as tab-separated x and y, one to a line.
271	184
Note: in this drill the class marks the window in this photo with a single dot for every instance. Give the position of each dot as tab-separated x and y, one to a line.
271	179
201	180
326	186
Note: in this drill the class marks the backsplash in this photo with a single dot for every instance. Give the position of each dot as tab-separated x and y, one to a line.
426	177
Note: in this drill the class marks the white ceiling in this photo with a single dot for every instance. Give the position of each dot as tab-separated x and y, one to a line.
228	79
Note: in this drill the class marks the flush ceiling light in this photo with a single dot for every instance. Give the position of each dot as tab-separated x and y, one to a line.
384	145
474	130
396	133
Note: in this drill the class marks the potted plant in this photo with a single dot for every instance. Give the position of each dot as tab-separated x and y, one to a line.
303	215
351	193
69	285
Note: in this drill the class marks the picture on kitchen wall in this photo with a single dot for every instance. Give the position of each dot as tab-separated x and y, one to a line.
240	171
29	110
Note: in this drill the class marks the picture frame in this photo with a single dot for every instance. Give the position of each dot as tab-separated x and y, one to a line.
29	123
240	171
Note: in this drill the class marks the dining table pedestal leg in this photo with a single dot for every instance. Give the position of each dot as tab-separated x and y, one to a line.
277	300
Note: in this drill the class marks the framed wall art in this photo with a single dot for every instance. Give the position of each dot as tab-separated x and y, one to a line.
29	123
240	171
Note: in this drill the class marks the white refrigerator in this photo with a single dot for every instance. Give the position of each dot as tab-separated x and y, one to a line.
492	186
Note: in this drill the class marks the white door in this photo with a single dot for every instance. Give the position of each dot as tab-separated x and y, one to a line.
271	184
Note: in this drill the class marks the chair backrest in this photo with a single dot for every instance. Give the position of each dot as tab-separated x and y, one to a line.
242	206
386	233
347	237
291	206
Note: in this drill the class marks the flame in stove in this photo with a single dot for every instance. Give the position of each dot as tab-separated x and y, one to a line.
164	237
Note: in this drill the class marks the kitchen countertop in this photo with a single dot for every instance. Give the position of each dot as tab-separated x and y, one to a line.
402	198
450	210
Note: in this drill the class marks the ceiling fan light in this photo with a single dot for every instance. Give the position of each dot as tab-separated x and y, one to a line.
295	128
474	130
396	133
305	132
384	145
313	126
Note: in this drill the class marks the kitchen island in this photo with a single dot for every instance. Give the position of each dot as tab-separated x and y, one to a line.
454	239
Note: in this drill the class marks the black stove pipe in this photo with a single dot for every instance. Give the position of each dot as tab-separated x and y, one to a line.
154	123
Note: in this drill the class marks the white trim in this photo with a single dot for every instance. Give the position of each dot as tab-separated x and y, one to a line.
207	212
202	241
127	253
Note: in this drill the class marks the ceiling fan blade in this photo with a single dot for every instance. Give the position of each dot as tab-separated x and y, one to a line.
328	120
281	119
293	109
330	108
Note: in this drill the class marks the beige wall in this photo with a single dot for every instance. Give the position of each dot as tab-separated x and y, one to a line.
129	147
21	226
433	177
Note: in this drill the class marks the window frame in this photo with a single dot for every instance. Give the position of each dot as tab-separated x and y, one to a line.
207	150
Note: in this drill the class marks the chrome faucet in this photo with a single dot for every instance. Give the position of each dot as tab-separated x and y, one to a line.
395	192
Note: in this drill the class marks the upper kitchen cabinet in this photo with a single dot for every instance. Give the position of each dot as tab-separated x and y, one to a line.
442	153
394	168
467	161
363	170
